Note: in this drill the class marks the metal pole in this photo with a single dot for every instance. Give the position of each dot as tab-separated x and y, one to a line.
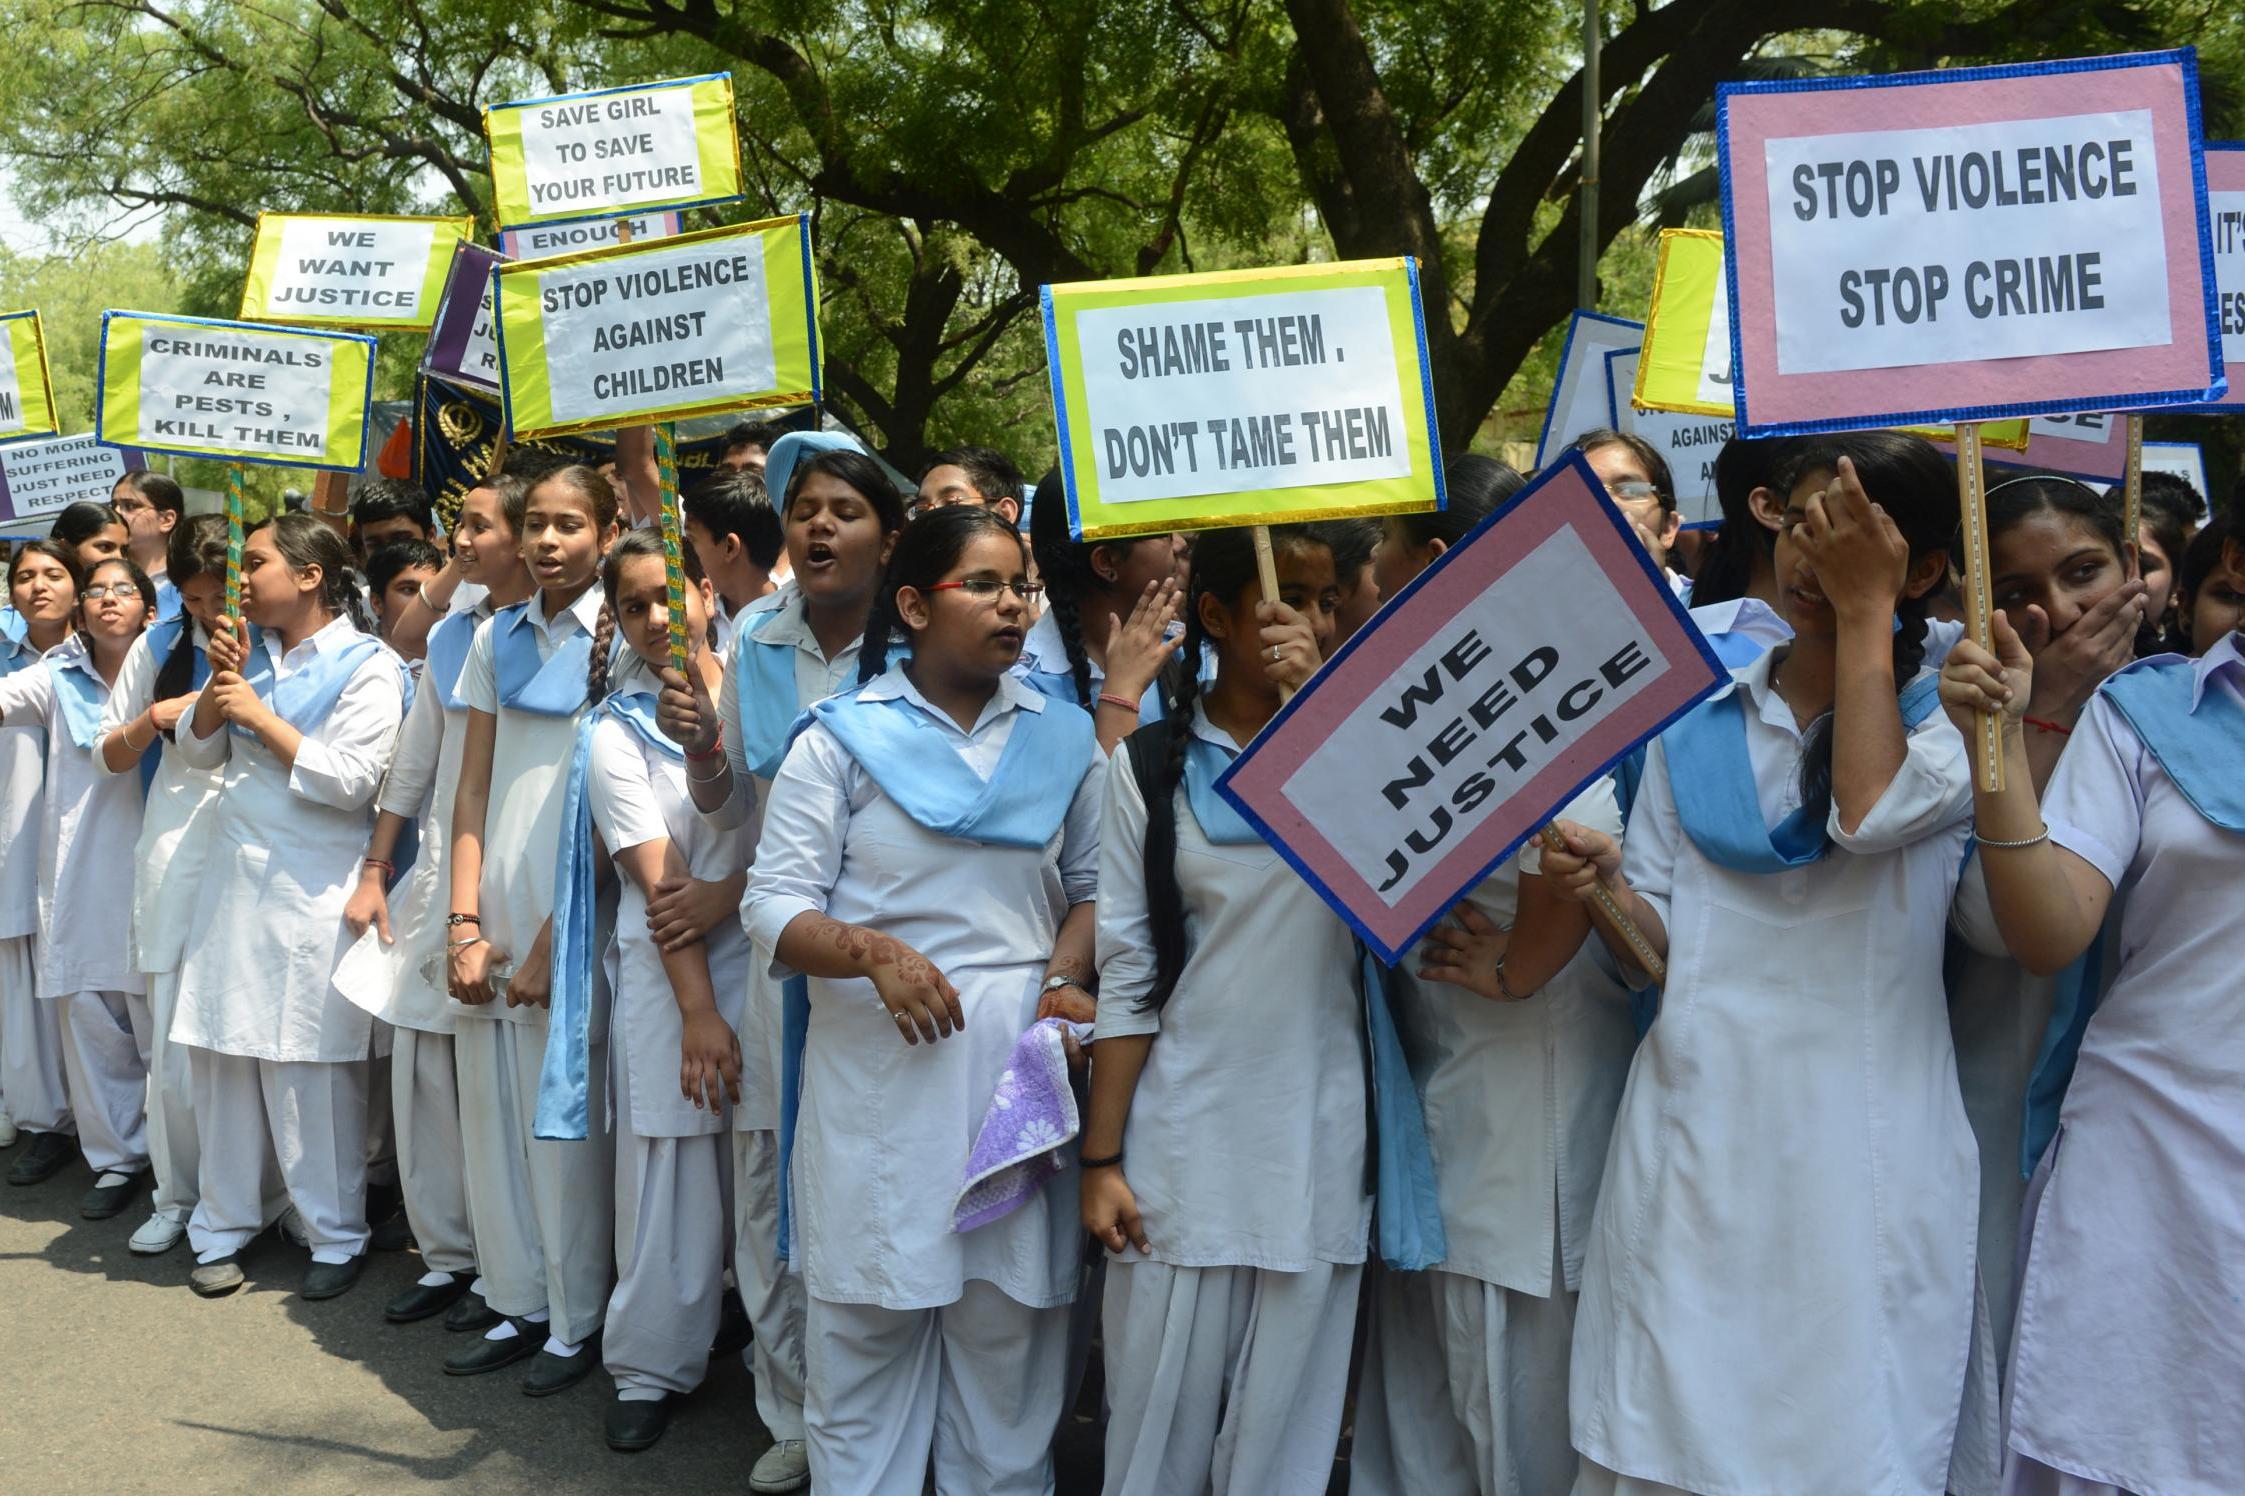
1586	261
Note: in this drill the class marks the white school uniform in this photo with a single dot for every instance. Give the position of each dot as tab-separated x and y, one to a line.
32	1084
673	1162
2130	1343
1466	1363
280	1055
168	865
86	829
541	1208
907	1349
771	1291
1246	1152
1777	1297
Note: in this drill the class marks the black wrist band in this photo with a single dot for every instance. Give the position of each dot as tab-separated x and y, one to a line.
1100	1163
453	920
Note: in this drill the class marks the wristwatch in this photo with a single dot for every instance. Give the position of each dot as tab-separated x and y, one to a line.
1054	984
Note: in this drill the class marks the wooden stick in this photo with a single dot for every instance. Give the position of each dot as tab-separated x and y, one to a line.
1602	897
2132	493
498	461
1987	728
1266	570
673	531
233	543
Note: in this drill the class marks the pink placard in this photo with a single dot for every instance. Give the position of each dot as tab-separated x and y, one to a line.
1483	697
1759	123
2225	204
2091	446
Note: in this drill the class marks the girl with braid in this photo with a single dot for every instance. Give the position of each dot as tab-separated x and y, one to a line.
929	855
1224	1154
1778	1291
540	1207
1104	638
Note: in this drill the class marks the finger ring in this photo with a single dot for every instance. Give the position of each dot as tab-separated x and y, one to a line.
901	1016
1275	652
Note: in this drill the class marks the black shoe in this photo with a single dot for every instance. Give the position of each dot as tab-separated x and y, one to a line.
106	1200
471	1312
328	1280
733	1329
633	1426
215	1280
421	1301
550	1374
49	1154
393	1234
489	1355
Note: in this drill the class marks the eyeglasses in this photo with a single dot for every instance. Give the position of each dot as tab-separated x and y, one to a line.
1632	489
986	589
122	591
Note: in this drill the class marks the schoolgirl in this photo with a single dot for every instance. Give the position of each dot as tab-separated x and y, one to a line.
404	981
86	829
2125	1348
1109	605
1519	1044
2059	567
1355	544
2209	597
1638	480
1226	1141
1741	563
541	1207
156	689
793	648
93	531
674	1046
1777	1294
43	579
928	860
300	715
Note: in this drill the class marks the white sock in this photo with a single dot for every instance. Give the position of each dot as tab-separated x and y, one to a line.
332	1256
432	1280
503	1330
556	1346
478	1289
537	1318
640	1394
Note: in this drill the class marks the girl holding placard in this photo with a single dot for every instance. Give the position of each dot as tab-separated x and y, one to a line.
541	1208
86	829
928	860
1519	1045
407	990
2145	799
43	590
1224	1150
155	690
1778	1289
298	714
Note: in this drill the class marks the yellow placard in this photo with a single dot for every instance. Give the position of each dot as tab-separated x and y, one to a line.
27	399
1685	364
673	144
241	391
360	270
1242	397
725	319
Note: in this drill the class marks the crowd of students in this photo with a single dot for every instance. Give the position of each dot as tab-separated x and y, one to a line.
890	998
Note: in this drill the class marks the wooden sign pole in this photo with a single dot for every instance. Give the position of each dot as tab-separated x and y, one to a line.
1987	728
1602	898
2132	493
1266	570
674	545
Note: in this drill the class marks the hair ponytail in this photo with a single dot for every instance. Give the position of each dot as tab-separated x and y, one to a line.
603	640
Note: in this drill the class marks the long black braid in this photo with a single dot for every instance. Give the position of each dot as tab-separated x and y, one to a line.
196	548
1064	566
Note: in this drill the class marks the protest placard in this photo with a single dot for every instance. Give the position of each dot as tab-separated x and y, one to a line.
1687	443
672	144
725	319
1506	677
2186	460
239	391
40	478
2225	215
27	401
2091	445
364	270
1580	400
1242	397
463	344
541	240
1686	364
2033	237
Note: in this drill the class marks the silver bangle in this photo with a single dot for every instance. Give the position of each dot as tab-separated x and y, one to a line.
1504	988
2013	846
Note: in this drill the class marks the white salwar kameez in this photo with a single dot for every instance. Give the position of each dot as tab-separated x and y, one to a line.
673	1164
542	1211
2130	1345
32	1090
280	1056
1466	1364
1227	1345
1778	1293
920	1338
168	864
83	956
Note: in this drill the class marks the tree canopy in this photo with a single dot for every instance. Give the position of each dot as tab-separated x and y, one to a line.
958	154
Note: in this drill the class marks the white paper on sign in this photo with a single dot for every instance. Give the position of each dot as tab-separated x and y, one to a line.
611	151
1293	389
2012	239
2226	214
2080	426
1689	443
11	389
629	334
337	267
1716	386
1579	401
538	240
244	391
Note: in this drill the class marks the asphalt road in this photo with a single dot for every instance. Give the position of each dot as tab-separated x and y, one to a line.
114	1378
